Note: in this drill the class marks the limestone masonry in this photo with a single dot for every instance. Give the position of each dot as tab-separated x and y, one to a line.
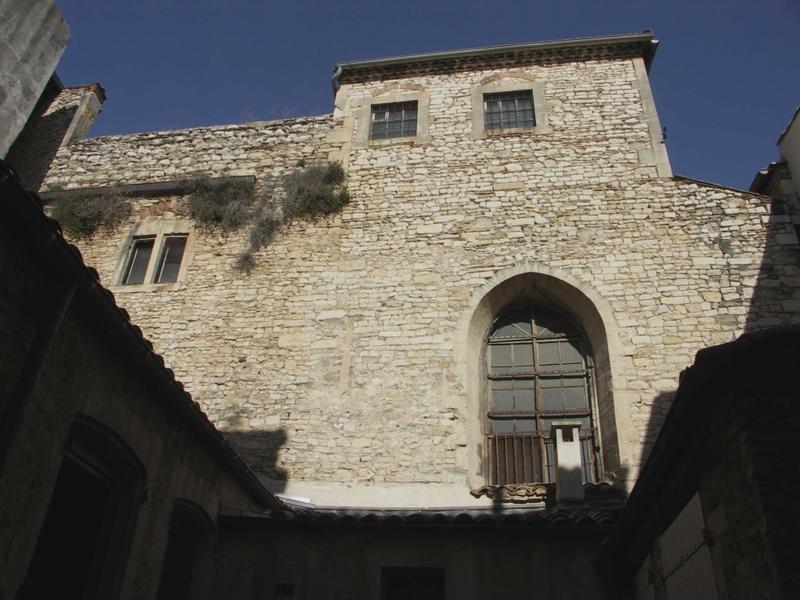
348	367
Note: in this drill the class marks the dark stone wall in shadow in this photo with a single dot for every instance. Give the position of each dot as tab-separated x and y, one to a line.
659	409
33	151
776	298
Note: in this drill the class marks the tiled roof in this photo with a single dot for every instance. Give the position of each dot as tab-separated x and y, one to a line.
488	517
26	210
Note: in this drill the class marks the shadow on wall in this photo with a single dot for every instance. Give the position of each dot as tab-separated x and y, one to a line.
658	413
776	293
260	449
776	297
37	144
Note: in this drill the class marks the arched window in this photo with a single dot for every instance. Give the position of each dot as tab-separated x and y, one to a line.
539	374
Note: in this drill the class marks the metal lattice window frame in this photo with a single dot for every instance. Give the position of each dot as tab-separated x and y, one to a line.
393	120
529	456
508	110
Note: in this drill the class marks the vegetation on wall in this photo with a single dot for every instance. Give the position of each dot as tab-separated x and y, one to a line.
225	204
314	192
310	192
82	217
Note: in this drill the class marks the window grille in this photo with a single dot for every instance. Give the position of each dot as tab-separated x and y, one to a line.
538	373
508	110
394	120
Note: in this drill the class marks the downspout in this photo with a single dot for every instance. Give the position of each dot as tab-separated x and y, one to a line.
337	72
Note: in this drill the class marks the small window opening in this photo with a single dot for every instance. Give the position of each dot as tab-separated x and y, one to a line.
189	529
508	110
169	263
412	583
394	120
139	260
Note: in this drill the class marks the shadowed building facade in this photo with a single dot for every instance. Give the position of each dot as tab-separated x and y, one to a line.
453	379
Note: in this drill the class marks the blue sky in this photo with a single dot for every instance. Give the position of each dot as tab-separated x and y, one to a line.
726	77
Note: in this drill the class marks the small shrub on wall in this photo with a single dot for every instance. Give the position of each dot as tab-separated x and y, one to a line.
310	192
314	192
83	217
226	204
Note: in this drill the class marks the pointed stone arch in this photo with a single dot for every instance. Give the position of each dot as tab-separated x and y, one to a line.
540	284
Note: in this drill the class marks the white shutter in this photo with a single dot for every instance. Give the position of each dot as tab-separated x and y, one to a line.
685	557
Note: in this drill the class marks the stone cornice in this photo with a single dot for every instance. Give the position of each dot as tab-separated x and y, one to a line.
173	187
580	49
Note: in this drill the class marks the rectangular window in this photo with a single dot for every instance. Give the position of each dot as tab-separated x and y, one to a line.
508	110
169	263
394	120
139	259
412	583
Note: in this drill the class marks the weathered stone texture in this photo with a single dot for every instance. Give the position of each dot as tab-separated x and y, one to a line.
33	35
343	337
265	148
60	116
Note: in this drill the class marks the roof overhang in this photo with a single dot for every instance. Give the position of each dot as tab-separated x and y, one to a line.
578	49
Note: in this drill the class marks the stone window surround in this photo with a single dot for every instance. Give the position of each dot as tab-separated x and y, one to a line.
364	117
511	82
160	229
591	313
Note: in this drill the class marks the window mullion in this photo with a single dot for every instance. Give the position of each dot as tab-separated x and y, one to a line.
158	247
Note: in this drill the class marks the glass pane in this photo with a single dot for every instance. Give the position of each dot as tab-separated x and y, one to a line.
517	324
550	399
549	356
523	355
410	127
502	425
524	400
493	121
502	400
501	355
575	397
525	425
140	258
570	355
171	257
561	395
545	424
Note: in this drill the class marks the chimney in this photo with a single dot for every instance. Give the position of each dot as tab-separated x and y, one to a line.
63	115
569	478
86	101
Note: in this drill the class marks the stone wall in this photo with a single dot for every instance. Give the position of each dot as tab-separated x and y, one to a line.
61	116
266	149
347	346
33	35
68	369
340	560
